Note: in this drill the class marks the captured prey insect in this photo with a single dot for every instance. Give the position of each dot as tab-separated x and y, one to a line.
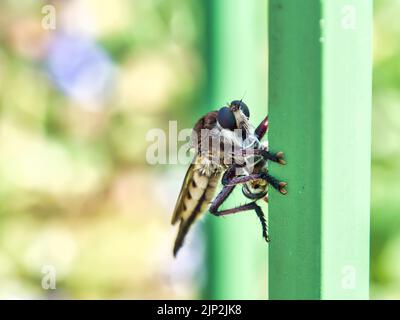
226	145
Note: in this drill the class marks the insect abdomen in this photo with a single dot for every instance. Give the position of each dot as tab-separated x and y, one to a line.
200	192
197	200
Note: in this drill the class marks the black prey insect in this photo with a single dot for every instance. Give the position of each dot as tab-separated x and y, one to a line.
226	145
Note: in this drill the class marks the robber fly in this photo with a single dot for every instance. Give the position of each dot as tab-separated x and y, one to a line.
226	146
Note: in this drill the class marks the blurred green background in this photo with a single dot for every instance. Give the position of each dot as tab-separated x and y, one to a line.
76	103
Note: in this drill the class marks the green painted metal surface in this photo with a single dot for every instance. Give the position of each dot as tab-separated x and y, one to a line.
320	109
237	38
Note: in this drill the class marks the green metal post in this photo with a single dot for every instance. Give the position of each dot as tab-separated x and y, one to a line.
237	48
320	114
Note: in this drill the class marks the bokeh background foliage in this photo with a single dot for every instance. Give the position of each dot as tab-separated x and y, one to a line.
75	106
385	215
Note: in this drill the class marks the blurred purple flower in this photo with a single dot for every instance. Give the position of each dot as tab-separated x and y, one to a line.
80	68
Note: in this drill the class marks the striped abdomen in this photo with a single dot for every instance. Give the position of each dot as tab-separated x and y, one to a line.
197	193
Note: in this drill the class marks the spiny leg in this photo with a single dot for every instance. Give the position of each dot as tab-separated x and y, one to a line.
260	131
274	157
229	174
261	217
220	198
246	207
275	183
224	194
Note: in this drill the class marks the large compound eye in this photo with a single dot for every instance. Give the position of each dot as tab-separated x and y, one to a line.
242	107
226	118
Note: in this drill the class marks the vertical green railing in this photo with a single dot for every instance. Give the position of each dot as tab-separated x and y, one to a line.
320	109
237	265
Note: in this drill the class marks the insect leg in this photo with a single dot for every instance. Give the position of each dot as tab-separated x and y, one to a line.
274	157
262	128
275	183
228	175
260	132
220	199
267	155
261	217
246	207
278	185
